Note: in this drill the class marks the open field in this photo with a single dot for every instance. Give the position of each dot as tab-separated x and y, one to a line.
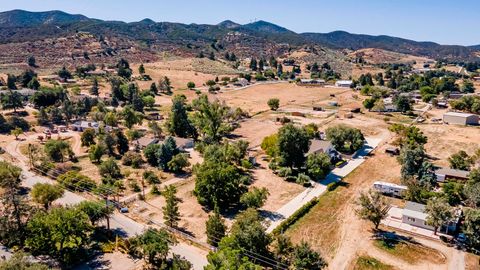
410	252
369	263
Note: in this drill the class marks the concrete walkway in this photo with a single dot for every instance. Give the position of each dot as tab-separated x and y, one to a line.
318	189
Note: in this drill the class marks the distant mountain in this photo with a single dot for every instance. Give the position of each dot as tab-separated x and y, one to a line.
228	24
257	38
21	18
345	40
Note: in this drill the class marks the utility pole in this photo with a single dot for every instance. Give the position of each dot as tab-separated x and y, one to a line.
108	217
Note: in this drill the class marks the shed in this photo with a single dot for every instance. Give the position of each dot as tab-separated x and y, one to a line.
451	174
390	188
457	118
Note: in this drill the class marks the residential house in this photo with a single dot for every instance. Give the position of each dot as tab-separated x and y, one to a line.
414	214
311	82
83	125
143	142
457	118
183	144
322	146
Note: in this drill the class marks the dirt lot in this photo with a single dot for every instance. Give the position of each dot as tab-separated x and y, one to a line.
254	99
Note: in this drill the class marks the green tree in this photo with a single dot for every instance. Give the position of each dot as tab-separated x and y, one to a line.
273	103
438	211
471	227
122	142
318	165
468	87
94	90
16	132
215	228
178	122
345	138
96	211
171	215
304	258
109	143
152	246
211	119
460	161
57	150
96	152
153	88
411	158
369	103
64	73
12	100
11	82
109	169
131	117
88	137
61	233
45	194
230	258
141	69
190	85
31	61
403	103
270	145
255	198
149	101
178	163
248	233
218	183
150	153
167	150
293	143
155	129
76	181
372	207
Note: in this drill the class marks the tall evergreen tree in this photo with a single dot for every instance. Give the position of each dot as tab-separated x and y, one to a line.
171	215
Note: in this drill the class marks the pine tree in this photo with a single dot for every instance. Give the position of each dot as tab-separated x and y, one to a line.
94	89
141	69
215	228
171	215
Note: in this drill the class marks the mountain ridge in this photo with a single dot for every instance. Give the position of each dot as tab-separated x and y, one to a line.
23	26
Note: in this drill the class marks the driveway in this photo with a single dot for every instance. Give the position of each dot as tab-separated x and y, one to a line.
318	189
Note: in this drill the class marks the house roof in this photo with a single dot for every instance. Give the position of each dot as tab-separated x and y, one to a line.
319	145
181	142
415	210
386	184
146	141
344	82
452	172
458	114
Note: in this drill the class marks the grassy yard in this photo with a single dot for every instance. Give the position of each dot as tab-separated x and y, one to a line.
321	225
370	263
408	251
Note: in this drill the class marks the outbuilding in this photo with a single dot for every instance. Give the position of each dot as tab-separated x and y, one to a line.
343	83
390	188
444	174
457	118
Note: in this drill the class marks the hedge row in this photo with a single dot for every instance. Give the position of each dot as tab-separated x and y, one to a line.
295	217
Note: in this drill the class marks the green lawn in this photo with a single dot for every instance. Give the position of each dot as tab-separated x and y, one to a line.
370	263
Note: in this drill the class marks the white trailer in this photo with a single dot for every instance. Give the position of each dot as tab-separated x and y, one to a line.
390	188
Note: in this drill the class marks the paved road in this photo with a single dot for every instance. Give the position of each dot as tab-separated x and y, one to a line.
119	222
318	189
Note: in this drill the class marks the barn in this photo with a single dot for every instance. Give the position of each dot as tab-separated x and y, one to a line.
457	118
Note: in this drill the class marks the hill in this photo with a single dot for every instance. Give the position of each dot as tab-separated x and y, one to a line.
21	18
345	40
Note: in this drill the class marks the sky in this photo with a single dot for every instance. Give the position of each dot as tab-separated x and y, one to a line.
442	21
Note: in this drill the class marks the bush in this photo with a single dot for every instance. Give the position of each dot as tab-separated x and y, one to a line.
303	179
285	172
247	164
291	178
332	186
132	159
76	181
273	166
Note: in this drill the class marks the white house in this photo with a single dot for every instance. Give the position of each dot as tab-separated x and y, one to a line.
390	188
414	214
343	83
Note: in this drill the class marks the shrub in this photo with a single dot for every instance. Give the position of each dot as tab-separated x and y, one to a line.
285	172
332	186
132	159
76	181
303	179
247	164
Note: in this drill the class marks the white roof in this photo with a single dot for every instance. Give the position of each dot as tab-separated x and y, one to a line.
414	214
458	114
344	82
389	185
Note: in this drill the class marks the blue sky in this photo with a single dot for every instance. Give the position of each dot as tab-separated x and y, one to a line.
442	21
